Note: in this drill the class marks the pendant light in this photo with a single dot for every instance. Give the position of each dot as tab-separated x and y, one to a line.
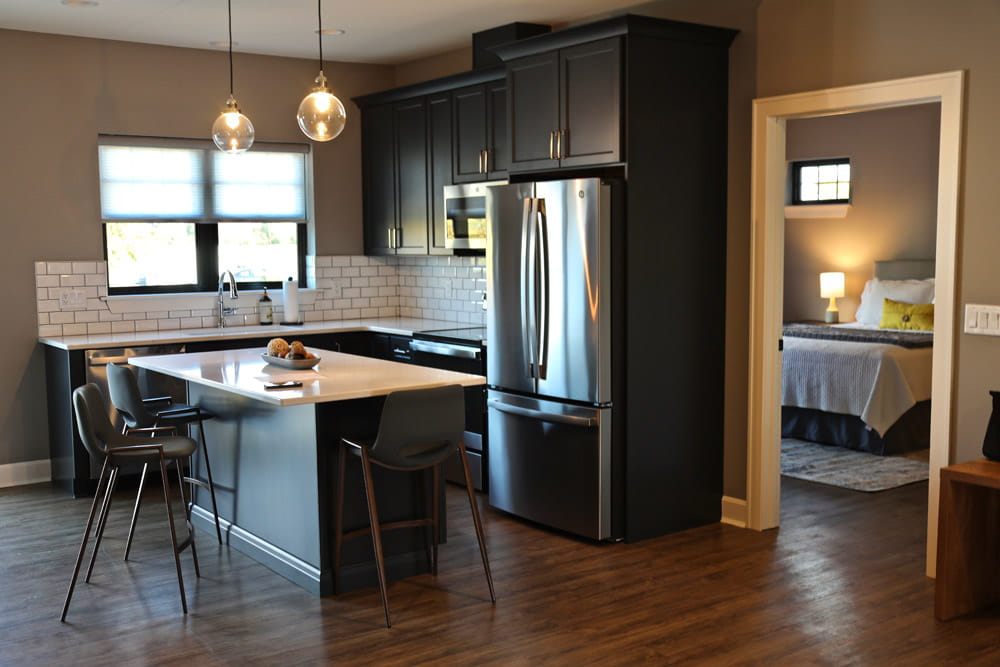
321	115
232	132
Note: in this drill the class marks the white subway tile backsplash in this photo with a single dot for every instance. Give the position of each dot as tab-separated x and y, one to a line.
347	287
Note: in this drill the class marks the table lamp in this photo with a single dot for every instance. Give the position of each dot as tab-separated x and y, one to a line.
831	286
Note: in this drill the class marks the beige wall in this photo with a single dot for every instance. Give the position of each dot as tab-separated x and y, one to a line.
58	94
893	215
813	45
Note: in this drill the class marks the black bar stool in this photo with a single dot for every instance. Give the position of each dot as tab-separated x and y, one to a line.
157	415
418	429
103	442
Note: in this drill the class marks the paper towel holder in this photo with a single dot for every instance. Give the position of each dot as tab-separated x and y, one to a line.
290	295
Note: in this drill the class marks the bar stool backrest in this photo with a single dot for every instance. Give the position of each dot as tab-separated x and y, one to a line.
127	399
420	427
96	430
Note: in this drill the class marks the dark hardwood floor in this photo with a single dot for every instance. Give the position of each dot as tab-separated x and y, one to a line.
842	582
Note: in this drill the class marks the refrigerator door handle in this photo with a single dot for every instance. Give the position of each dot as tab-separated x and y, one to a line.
571	420
528	284
542	289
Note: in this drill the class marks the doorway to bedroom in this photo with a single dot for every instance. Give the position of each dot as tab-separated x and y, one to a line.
856	377
769	173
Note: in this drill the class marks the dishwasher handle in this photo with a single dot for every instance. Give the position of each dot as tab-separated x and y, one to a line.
571	420
445	349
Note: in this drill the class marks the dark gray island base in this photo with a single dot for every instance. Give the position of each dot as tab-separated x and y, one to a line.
274	462
275	470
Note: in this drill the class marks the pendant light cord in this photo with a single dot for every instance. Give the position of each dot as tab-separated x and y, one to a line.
319	33
229	8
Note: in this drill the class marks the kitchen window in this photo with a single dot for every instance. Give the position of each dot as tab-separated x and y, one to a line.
176	213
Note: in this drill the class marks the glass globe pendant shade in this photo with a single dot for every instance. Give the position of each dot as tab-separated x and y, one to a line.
321	115
232	132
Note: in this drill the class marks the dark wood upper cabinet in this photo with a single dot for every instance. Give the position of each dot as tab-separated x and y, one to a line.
411	177
565	107
480	133
379	179
440	155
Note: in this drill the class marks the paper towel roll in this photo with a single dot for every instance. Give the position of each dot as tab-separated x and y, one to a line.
290	301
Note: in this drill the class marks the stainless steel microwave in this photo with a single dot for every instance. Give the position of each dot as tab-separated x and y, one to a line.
465	215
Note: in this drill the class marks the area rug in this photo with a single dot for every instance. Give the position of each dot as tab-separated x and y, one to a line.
849	469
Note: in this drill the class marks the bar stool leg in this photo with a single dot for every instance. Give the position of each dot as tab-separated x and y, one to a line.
435	516
338	516
135	511
103	519
187	520
173	533
476	520
211	482
376	532
83	543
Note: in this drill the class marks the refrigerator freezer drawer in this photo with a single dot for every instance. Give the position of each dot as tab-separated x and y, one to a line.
550	462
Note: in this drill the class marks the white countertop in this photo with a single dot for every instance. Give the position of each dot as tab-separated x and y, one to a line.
337	377
403	326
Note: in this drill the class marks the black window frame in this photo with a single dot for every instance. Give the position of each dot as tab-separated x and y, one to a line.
796	179
207	231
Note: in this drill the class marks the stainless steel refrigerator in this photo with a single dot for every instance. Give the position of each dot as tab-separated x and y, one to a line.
549	363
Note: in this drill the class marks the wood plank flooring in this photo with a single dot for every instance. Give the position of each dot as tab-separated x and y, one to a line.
842	582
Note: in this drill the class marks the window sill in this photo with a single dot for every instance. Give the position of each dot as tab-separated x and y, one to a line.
147	303
817	211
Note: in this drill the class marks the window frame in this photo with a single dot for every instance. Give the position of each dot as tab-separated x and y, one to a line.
796	185
207	227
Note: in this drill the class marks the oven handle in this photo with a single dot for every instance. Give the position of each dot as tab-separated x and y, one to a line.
444	349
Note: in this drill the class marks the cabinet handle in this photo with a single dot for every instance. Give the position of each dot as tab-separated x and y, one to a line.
559	154
398	236
552	139
480	162
486	160
390	231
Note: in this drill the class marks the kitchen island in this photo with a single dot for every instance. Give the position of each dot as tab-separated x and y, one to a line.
274	460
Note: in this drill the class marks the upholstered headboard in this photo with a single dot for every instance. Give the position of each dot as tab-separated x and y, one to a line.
903	269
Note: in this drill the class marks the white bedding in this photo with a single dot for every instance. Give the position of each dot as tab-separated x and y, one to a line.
874	381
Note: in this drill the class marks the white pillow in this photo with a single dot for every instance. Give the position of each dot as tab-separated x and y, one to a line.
906	291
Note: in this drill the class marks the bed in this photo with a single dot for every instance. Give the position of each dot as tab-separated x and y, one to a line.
859	385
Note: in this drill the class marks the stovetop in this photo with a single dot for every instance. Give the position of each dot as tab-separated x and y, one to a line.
475	335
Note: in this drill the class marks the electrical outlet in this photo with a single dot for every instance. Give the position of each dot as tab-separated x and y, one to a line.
72	298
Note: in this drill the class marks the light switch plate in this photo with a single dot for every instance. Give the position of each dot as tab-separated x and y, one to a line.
72	298
982	319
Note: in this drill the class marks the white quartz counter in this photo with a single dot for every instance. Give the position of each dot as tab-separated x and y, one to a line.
403	326
337	377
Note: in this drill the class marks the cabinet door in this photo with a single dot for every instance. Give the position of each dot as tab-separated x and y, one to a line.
411	176
379	179
498	161
533	90
469	106
590	92
439	152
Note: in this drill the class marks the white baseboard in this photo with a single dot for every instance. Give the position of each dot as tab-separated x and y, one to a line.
27	472
734	512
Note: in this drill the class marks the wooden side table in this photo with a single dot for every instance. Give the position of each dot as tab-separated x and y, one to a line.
968	561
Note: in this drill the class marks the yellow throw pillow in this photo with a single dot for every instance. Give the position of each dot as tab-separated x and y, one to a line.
899	315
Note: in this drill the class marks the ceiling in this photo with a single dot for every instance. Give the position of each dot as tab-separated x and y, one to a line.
377	31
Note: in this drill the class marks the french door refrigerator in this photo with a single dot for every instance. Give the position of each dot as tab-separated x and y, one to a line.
549	364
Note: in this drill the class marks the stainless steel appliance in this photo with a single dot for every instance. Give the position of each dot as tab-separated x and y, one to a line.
465	216
460	350
549	402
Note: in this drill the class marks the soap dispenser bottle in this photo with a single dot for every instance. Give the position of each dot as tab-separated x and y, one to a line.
265	310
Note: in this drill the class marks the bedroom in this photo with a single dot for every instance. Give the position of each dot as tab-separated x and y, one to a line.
859	397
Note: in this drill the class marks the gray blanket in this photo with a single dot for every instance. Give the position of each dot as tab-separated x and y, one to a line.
847	334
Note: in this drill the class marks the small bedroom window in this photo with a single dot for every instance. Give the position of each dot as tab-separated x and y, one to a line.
821	182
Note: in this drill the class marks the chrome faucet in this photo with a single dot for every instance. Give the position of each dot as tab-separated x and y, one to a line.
233	294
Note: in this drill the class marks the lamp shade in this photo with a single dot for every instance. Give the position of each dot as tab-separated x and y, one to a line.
831	284
321	115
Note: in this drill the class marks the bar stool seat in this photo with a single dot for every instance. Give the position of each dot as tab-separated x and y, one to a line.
103	442
158	415
418	429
